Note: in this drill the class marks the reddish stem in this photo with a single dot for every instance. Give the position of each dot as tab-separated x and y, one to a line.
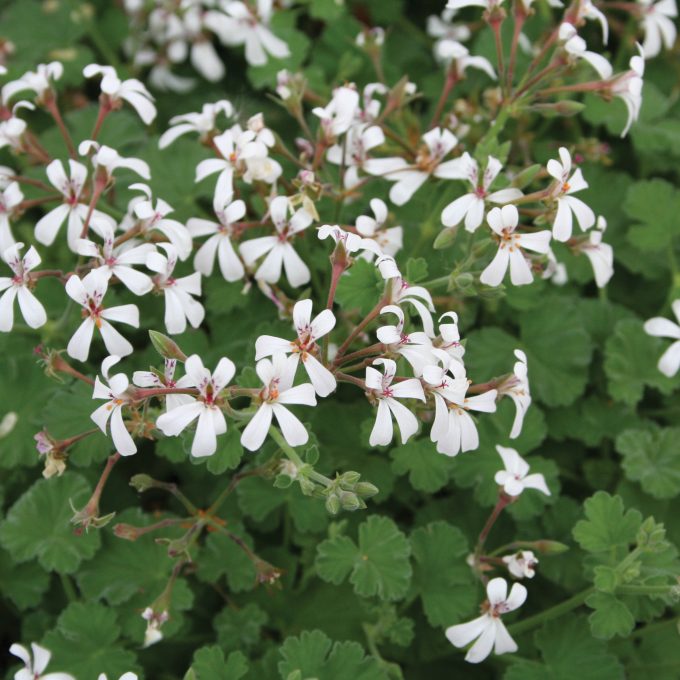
53	108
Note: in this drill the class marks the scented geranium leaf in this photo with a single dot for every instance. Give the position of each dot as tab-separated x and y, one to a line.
24	584
221	556
86	641
314	655
558	642
38	525
654	205
658	654
606	527
441	575
611	616
488	353
558	351
651	458
209	664
228	455
427	470
631	358
416	269
360	288
239	628
379	565
125	568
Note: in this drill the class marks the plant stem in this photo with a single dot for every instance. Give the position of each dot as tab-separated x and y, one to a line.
449	83
53	108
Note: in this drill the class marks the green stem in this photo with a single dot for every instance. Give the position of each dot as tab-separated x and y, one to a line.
643	590
69	588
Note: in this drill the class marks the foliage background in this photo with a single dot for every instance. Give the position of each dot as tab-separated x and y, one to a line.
603	417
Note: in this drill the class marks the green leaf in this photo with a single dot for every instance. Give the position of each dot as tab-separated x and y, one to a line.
606	526
427	470
85	642
228	455
240	628
314	655
655	205
651	458
223	557
360	288
379	565
568	651
631	358
416	269
441	575
24	584
611	616
209	664
38	525
558	351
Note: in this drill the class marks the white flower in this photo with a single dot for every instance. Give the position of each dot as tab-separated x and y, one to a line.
89	293
153	634
575	46
167	380
35	666
10	197
566	203
504	221
514	479
126	676
116	399
154	217
453	429
450	51
219	245
449	339
352	243
211	421
305	347
277	378
445	31
416	347
40	80
658	25
521	564
517	388
628	87
132	90
669	363
71	210
438	142
109	160
278	249
241	24
555	271
119	261
204	57
180	306
18	287
387	394
353	151
587	10
487	4
488	630
390	241
387	267
601	255
12	129
471	205
402	291
204	122
339	114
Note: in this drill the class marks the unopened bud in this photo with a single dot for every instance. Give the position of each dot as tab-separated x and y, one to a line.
464	281
445	239
350	501
266	572
306	486
142	482
166	347
550	547
126	531
333	504
366	489
561	108
651	536
524	178
349	478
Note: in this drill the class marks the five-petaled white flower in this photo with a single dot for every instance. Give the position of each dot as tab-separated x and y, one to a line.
521	564
278	248
514	479
18	287
669	363
132	91
339	114
352	243
415	347
116	398
438	142
126	676
510	253
566	203
40	80
586	10
166	380
451	52
575	47
488	630
449	339
516	387
89	294
205	407
659	25
628	87
390	240
35	663
471	206
218	245
108	160
305	347
387	393
418	296
72	210
353	152
10	197
204	122
118	261
180	306
277	378
600	254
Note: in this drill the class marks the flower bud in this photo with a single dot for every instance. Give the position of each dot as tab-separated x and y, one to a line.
350	501
524	178
445	238
651	536
266	572
142	482
366	489
166	347
333	504
126	531
550	547
349	479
